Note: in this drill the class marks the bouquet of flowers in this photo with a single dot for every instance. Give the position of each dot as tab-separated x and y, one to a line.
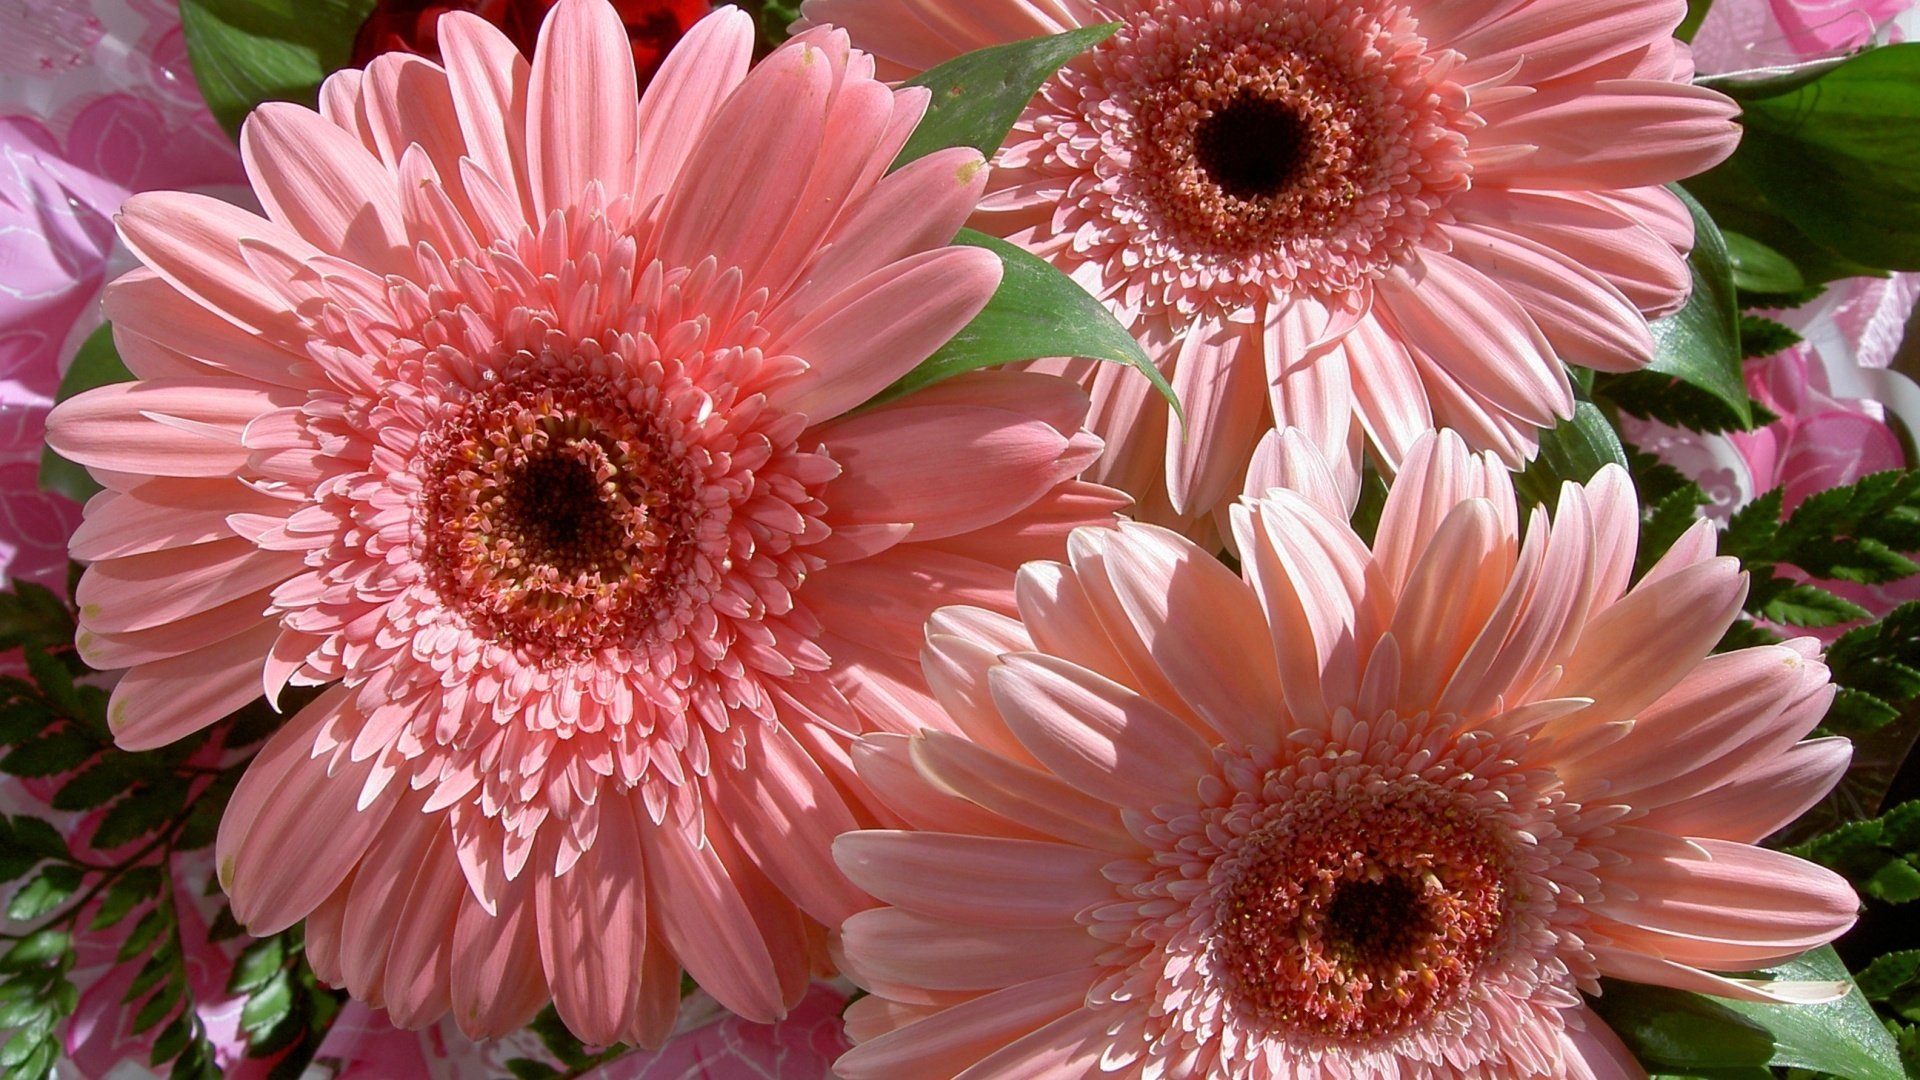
960	539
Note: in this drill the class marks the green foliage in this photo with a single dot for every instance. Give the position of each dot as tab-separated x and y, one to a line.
36	997
1880	856
245	52
978	96
1700	344
1686	1034
1827	173
1851	533
1036	312
1764	337
1573	451
1696	14
1759	268
1650	395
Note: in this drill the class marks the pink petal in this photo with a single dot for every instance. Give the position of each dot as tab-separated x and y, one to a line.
582	108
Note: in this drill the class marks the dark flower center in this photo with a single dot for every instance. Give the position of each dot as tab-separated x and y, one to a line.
558	517
1255	147
1358	913
1378	923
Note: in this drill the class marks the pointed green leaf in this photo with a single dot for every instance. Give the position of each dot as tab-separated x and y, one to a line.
1759	268
978	96
1839	155
1574	450
1700	344
1037	312
245	52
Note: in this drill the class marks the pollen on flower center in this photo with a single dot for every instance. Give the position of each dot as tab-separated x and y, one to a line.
1357	913
557	515
1254	148
1300	145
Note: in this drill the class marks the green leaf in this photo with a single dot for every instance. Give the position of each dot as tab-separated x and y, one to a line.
159	1005
96	364
1700	343
45	892
133	888
1573	451
1839	156
144	933
1854	713
530	1069
1759	268
1881	856
257	963
268	1005
245	52
1696	14
36	949
1036	312
1807	605
1679	1032
24	841
33	615
95	786
58	751
1764	337
146	808
978	96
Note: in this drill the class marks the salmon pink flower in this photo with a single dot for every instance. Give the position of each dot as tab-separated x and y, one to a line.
1367	813
1344	216
521	423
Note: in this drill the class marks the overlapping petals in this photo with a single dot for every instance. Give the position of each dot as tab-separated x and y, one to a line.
521	424
1359	219
1363	811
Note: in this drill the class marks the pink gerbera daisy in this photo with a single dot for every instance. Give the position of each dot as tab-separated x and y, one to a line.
1365	814
1342	216
520	422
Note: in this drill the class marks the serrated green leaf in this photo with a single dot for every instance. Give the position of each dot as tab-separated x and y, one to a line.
1890	974
1764	337
256	964
32	615
172	1039
61	750
267	1006
1854	713
128	891
159	1005
1650	395
1759	268
1700	343
1897	881
978	96
36	950
147	807
94	787
248	51
156	967
144	933
1036	312
1809	606
559	1042
47	891
1573	451
96	364
35	836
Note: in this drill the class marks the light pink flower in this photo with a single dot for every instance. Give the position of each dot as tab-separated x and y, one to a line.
1367	813
1743	34
525	417
1359	218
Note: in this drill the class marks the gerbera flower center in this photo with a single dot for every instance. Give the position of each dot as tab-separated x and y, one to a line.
1266	146
1357	913
557	515
1254	147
